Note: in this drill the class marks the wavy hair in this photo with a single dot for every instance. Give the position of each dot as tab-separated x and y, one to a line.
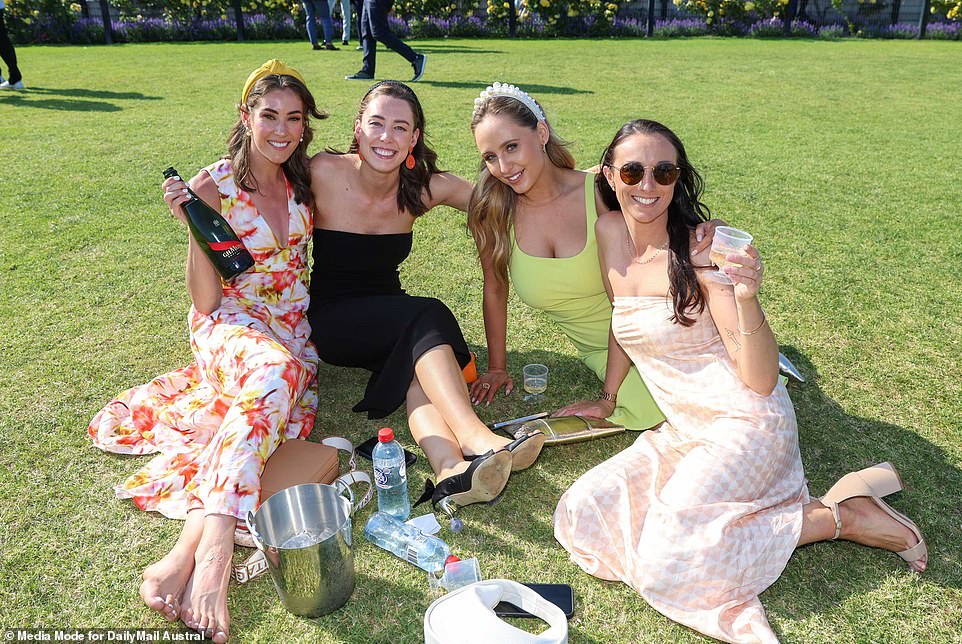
492	205
685	211
412	182
297	167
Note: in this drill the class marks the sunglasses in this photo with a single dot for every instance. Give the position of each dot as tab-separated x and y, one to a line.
664	172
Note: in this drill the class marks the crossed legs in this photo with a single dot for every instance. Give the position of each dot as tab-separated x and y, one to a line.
440	415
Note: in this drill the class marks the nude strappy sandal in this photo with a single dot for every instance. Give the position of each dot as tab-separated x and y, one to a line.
874	482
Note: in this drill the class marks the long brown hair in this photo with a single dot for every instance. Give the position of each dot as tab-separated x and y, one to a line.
492	205
297	167
685	211
413	183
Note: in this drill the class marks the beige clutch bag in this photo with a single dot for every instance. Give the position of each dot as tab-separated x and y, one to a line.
564	429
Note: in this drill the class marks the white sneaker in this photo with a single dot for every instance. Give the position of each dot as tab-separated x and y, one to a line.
9	85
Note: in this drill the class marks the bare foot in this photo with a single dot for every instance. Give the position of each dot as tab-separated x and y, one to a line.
204	603
866	523
164	583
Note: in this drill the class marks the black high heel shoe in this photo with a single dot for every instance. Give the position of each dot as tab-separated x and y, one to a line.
482	482
524	450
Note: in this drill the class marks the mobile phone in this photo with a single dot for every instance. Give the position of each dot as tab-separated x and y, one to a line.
558	594
366	448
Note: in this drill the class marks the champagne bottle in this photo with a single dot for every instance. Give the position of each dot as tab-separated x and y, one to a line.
214	235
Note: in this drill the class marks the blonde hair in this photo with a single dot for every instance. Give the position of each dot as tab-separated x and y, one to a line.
492	205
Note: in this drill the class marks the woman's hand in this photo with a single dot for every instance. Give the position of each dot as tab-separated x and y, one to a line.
487	385
704	233
746	274
594	408
175	195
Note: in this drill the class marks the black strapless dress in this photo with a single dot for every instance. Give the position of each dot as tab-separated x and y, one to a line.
361	317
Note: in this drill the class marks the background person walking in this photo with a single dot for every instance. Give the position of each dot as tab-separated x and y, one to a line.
9	56
319	8
374	27
345	18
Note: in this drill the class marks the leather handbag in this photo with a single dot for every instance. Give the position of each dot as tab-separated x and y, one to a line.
467	616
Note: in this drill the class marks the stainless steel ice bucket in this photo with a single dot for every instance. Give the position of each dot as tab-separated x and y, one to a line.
305	533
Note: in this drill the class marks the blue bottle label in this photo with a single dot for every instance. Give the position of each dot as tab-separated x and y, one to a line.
382	474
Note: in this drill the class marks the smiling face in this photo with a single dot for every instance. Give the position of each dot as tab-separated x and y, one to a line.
647	201
512	152
276	124
386	132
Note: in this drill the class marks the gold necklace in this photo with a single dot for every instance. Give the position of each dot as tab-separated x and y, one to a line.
630	249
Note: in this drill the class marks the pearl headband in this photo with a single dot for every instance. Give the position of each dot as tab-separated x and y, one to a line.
503	89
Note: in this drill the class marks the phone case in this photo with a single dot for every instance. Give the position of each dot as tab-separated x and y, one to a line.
558	594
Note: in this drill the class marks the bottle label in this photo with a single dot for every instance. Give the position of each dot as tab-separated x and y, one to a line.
413	547
221	246
381	475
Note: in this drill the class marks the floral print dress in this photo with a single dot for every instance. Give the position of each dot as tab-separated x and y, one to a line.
214	423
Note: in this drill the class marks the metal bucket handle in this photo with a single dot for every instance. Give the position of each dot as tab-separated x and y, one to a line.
343	484
258	540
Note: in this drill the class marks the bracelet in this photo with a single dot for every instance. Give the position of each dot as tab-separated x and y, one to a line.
756	329
604	395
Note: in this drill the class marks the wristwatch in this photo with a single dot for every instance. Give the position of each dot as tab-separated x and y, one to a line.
604	395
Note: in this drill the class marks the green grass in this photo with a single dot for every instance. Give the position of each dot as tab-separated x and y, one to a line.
841	158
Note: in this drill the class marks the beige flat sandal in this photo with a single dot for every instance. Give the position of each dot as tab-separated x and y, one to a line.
874	482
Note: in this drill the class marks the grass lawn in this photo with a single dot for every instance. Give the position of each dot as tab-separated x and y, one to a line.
841	157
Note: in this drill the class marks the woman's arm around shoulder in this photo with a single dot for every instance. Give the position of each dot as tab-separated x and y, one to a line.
449	190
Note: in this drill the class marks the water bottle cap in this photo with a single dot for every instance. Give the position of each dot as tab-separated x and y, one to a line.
385	435
451	559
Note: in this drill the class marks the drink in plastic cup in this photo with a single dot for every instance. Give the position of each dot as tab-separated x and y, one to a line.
535	381
727	241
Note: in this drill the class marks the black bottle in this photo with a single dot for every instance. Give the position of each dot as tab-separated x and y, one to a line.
215	236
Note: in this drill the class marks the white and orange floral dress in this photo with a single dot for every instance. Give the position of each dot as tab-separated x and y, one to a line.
702	514
215	422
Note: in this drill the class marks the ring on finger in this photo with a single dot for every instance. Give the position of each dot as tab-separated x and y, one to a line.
485	385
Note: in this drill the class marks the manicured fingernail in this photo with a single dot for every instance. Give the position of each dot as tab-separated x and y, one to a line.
698	236
694	252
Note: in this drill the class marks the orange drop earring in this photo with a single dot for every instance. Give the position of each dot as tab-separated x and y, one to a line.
410	162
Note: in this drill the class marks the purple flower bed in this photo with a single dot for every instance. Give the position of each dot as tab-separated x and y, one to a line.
283	27
775	28
681	27
832	31
944	31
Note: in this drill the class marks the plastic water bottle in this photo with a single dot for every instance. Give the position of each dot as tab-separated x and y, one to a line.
407	542
390	476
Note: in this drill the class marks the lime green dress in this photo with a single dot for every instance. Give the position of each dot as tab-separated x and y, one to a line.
571	292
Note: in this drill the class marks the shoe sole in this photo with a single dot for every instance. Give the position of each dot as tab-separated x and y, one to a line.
527	452
487	481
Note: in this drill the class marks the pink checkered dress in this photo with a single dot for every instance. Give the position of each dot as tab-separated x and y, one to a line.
700	515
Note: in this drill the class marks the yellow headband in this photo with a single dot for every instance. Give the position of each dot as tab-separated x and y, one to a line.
273	66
